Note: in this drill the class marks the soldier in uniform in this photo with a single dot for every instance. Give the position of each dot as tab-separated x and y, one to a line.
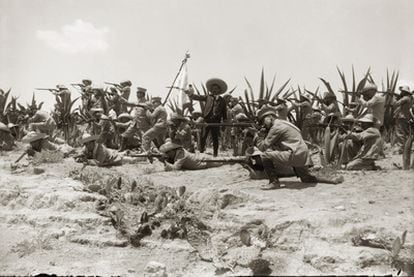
133	142
42	122
402	117
330	108
140	118
371	141
284	153
95	153
304	113
177	158
38	142
179	131
103	126
215	111
158	131
374	102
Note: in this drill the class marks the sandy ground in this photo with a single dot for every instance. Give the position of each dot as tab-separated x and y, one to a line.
49	223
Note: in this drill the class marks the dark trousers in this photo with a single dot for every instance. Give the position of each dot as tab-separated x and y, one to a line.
215	134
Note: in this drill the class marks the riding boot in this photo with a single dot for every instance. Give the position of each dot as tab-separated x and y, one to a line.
271	174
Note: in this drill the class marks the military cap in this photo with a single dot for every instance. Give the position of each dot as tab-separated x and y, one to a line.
34	136
169	146
218	82
140	89
4	128
156	99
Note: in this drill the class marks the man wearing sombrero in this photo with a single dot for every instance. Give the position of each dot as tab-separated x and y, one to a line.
402	117
215	110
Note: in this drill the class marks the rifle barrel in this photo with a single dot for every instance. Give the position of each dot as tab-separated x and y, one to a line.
244	124
21	157
226	160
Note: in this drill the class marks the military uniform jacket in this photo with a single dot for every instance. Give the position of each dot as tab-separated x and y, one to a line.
284	136
159	117
215	109
371	143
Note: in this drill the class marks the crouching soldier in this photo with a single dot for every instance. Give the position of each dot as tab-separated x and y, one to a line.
284	153
6	138
129	142
179	131
42	122
371	141
95	153
177	158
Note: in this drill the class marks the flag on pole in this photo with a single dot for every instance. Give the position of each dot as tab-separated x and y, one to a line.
182	84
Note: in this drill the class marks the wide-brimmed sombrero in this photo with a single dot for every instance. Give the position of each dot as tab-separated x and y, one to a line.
88	138
218	82
368	118
168	146
125	116
266	111
33	136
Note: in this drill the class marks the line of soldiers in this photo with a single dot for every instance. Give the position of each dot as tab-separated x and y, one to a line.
273	145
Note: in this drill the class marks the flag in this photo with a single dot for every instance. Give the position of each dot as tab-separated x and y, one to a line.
182	84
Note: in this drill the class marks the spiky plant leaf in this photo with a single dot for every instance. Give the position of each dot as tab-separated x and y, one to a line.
279	91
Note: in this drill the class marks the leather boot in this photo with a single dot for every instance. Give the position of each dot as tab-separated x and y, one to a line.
271	174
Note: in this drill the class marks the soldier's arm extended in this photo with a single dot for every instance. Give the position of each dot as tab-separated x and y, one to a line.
402	101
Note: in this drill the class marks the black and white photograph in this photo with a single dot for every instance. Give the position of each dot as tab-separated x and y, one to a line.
164	138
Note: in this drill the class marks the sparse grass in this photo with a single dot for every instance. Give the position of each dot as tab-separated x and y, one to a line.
46	156
148	170
29	246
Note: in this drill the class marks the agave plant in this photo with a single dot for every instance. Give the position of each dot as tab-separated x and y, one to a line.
63	114
3	100
252	104
31	108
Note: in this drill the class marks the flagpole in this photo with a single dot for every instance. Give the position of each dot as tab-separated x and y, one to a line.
187	56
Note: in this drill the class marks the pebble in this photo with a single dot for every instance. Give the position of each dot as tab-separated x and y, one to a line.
340	208
371	201
155	269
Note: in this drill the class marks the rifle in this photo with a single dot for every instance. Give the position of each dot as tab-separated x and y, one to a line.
48	89
113	84
150	157
240	159
20	157
224	124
